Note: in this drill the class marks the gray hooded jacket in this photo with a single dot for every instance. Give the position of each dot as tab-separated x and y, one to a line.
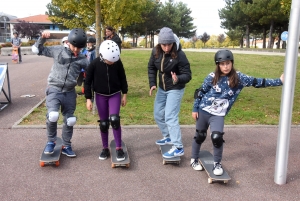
66	67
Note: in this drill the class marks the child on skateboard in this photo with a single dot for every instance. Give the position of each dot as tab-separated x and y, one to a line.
16	43
169	63
213	101
60	94
107	76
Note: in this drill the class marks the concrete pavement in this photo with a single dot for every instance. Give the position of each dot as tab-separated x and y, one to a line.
249	158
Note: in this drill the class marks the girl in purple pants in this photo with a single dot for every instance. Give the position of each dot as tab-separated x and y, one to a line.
107	75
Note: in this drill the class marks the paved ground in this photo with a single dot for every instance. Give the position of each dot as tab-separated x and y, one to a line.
249	158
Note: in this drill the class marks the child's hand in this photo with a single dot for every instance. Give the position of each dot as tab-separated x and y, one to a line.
152	88
45	34
124	100
282	77
195	115
174	78
89	104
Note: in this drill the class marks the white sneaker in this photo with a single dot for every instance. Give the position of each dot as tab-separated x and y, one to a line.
218	170
195	164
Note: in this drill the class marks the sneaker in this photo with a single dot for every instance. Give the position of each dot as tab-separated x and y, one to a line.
164	141
68	151
49	149
217	170
195	164
104	154
120	155
174	152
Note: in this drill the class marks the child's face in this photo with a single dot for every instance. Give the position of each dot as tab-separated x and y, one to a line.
74	49
108	32
108	62
225	67
166	47
89	44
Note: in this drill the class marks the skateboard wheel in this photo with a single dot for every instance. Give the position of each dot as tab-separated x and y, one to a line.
164	162
113	165
210	181
225	182
56	163
127	165
42	164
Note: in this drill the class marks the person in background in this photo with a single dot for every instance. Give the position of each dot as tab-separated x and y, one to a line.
65	42
110	34
213	101
17	43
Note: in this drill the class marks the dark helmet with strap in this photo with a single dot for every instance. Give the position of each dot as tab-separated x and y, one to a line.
223	55
91	40
77	37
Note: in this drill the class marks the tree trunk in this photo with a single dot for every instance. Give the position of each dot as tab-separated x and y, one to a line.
270	34
247	37
264	37
146	38
98	25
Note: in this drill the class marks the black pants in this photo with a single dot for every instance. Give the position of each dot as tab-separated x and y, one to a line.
20	55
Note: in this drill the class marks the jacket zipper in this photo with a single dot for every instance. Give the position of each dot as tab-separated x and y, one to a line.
162	70
107	79
67	74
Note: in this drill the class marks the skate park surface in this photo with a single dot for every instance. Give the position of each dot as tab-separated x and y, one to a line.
249	157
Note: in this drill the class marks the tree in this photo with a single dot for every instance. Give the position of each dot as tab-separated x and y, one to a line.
221	38
177	17
27	29
204	38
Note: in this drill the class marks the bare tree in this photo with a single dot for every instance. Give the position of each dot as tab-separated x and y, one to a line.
27	29
204	38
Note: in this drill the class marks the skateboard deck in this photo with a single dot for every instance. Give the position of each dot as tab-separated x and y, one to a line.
166	148
15	55
207	162
114	162
52	159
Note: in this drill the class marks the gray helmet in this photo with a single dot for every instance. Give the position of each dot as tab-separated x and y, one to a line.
91	40
223	55
15	32
77	37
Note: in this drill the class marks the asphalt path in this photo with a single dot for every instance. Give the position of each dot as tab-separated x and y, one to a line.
249	157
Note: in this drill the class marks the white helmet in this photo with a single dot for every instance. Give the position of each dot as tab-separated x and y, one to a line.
64	39
109	50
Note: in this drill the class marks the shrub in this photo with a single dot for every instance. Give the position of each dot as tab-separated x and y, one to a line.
126	45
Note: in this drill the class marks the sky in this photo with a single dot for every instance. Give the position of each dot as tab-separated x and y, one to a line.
204	12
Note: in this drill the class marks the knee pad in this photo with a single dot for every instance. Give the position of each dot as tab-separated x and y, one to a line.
114	121
71	121
53	116
104	125
217	139
200	136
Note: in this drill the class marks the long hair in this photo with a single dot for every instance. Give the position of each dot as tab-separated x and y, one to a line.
159	51
232	77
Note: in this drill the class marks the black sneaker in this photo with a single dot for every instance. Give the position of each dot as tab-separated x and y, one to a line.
120	155
104	154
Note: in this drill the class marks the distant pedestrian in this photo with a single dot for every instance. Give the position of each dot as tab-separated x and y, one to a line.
110	34
213	101
65	42
60	93
17	43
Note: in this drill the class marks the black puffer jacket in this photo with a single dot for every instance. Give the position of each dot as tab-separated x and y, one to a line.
179	65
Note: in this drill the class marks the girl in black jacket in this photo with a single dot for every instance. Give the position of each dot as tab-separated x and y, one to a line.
107	75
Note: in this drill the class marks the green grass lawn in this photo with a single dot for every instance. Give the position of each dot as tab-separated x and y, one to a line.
254	106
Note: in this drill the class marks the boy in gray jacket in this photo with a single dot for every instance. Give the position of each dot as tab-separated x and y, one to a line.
60	93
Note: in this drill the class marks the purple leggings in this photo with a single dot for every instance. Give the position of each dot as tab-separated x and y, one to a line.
108	105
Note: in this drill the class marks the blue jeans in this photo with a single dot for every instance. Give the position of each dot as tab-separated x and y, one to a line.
166	111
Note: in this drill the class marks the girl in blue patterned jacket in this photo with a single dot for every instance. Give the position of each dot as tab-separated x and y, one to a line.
213	101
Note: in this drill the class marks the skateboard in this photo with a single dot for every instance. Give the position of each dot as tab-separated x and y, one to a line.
15	55
207	162
164	149
114	162
52	159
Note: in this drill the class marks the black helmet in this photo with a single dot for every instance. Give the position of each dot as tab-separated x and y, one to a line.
223	55
77	37
91	40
